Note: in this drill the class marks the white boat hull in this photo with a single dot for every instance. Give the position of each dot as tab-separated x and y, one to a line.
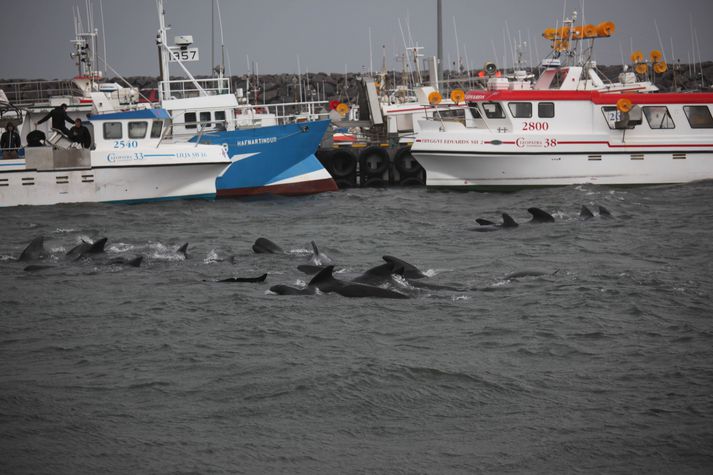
511	171
121	184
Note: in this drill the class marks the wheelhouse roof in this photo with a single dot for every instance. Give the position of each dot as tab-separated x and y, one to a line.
596	97
137	114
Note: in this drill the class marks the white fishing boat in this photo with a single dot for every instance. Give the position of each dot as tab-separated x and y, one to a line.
131	160
571	127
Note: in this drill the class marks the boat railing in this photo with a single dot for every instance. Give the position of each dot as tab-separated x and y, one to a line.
283	113
186	88
28	93
11	153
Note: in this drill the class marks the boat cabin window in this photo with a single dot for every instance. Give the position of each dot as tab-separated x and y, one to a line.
190	118
699	117
452	113
205	119
493	110
611	114
137	130
220	116
521	110
474	110
112	130
658	117
546	110
156	129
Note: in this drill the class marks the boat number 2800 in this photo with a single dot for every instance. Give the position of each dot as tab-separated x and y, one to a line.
125	144
535	126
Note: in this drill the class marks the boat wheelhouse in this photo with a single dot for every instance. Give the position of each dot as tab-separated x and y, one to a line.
571	127
132	159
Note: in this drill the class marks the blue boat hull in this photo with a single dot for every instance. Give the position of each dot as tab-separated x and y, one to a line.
272	160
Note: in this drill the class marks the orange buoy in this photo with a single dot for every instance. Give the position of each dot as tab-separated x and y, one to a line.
655	55
435	98
624	104
342	108
590	31
637	57
457	96
606	29
660	67
641	68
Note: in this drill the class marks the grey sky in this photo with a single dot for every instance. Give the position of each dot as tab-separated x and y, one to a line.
329	34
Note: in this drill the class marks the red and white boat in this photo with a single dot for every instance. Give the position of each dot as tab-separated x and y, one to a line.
571	127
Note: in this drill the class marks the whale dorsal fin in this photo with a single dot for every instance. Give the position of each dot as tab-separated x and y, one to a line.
183	250
97	246
35	250
508	222
540	216
585	213
322	277
604	213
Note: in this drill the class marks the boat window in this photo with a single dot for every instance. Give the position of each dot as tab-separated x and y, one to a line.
220	116
190	120
658	117
611	114
493	110
137	130
699	117
546	110
205	119
112	130
521	110
475	111
156	129
452	113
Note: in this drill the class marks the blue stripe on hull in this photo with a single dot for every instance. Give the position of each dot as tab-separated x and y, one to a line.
281	152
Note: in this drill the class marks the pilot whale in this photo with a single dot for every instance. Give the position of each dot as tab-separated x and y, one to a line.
34	251
265	246
487	225
85	249
325	282
539	216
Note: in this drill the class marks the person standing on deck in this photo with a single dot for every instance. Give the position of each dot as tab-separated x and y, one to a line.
80	134
59	117
10	142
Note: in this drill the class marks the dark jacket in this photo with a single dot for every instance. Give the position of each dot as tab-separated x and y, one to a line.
10	140
81	135
59	117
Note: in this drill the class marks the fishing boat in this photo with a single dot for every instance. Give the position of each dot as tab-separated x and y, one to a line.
270	154
571	127
131	160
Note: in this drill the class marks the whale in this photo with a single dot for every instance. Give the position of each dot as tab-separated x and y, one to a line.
325	282
410	271
37	268
585	213
487	225
85	249
35	251
604	213
265	246
123	261
318	258
183	250
539	216
260	278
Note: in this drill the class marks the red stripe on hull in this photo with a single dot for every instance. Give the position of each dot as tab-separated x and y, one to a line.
287	189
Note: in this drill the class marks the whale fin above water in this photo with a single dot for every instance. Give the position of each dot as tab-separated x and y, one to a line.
265	246
183	250
508	222
282	289
585	213
325	282
604	213
34	251
86	248
540	216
